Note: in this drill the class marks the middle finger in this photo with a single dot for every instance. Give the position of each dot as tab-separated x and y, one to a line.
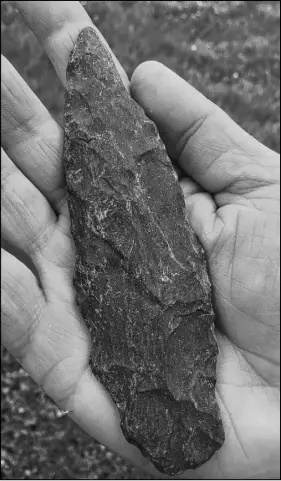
57	24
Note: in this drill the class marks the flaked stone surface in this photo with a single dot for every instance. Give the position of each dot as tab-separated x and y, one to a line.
140	273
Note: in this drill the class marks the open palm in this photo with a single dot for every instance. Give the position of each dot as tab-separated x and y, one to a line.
233	205
230	187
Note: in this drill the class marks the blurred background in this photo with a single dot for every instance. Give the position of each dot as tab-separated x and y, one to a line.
230	51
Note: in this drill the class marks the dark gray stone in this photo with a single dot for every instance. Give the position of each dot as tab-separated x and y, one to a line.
140	274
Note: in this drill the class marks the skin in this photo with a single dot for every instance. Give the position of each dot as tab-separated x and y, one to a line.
231	187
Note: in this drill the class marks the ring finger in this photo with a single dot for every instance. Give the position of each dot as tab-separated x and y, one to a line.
28	223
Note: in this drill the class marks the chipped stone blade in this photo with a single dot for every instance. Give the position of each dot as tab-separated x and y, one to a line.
140	274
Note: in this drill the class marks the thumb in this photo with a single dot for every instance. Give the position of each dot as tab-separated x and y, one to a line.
209	147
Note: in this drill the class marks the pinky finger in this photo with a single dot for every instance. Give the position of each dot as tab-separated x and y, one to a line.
22	302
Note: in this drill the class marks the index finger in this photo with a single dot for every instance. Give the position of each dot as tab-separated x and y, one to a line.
57	25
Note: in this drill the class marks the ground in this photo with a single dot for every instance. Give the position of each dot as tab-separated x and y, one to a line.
229	50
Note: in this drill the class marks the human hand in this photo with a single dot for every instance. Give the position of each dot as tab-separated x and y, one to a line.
231	188
41	325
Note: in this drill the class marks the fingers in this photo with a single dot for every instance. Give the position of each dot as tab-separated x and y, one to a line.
22	303
47	340
28	223
57	24
27	219
208	145
30	136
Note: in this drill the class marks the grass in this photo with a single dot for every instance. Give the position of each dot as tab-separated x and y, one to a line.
229	50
